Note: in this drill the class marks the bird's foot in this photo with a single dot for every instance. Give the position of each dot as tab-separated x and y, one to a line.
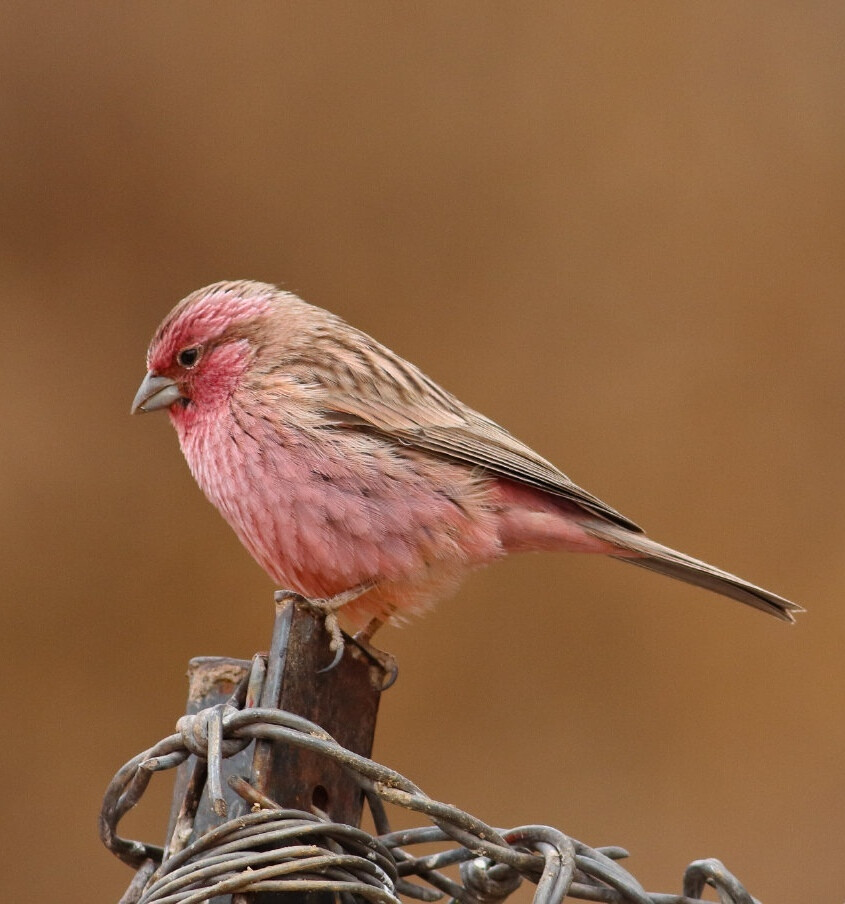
327	609
386	660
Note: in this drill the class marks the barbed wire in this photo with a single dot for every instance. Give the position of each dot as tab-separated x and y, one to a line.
273	849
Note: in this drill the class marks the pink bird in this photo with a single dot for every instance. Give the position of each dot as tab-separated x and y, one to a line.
353	478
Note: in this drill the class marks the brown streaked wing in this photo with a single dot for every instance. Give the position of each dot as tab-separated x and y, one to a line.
439	423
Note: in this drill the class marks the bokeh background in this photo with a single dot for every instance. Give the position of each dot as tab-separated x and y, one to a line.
615	228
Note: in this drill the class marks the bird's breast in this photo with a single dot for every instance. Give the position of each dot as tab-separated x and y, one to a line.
324	510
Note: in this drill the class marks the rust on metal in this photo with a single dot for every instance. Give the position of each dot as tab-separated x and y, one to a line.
214	676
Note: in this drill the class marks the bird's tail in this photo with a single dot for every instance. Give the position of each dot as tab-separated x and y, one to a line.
640	550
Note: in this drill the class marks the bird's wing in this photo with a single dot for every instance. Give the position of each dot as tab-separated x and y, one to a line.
401	403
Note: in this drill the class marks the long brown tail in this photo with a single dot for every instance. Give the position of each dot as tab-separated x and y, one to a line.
655	557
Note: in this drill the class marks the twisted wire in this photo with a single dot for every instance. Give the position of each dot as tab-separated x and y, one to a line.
272	849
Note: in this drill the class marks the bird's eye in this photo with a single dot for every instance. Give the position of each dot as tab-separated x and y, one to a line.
188	357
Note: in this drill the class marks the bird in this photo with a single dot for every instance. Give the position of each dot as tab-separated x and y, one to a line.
355	480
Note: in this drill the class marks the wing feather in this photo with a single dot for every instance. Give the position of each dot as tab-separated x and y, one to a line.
393	398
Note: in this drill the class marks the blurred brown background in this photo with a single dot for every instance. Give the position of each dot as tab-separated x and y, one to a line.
615	228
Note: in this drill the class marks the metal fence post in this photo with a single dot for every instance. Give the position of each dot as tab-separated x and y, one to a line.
344	701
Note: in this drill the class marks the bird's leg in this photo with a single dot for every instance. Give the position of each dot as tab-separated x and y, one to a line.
365	635
362	639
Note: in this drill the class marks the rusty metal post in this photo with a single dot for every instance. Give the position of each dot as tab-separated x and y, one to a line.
343	701
211	681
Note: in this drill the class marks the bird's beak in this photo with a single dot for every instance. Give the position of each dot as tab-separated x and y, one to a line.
155	392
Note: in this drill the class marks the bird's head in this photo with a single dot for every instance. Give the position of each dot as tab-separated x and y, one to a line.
203	346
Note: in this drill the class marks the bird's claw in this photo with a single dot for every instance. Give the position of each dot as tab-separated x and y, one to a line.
336	642
335	662
327	610
386	660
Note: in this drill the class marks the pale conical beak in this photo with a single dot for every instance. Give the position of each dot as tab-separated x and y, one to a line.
155	392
